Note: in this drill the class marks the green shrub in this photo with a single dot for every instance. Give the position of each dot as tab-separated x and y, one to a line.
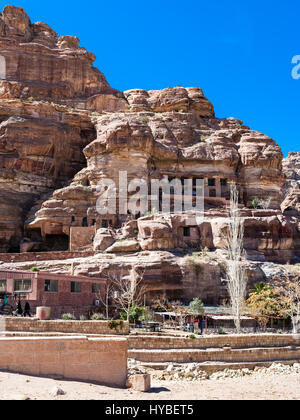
147	316
192	337
83	318
97	317
34	268
196	306
255	203
221	331
135	314
68	317
115	325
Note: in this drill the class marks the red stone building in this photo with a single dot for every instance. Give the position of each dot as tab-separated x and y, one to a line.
63	293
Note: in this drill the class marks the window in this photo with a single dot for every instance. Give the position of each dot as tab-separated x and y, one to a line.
84	222
73	219
212	182
51	286
75	287
96	288
224	182
104	224
22	285
186	231
2	285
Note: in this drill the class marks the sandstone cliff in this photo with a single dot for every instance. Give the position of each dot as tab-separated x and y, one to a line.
291	167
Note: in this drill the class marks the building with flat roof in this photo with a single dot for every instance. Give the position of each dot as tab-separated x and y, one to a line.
63	293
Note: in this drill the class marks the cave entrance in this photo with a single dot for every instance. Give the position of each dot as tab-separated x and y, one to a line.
57	242
14	249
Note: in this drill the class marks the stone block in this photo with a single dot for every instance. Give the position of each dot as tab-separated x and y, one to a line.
141	383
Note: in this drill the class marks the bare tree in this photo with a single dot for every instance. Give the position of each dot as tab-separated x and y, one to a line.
265	203
236	275
288	290
128	290
105	298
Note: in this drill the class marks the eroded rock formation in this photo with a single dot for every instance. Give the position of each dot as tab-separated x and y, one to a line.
291	167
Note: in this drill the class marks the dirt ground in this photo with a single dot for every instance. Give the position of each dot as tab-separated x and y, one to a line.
286	387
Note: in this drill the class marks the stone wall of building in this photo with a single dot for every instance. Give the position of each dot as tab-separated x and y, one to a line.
72	327
103	360
69	294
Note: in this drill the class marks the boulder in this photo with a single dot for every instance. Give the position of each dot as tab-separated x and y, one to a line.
124	246
103	240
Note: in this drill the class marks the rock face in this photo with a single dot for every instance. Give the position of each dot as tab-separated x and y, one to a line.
63	130
167	145
167	100
40	150
291	168
291	203
41	65
41	143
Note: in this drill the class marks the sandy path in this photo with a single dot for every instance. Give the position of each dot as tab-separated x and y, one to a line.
14	386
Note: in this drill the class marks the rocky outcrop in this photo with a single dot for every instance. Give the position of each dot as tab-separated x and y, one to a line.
41	65
172	99
291	196
174	145
40	150
291	168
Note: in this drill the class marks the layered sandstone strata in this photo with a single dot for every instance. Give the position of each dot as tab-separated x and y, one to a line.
291	168
40	150
149	146
40	65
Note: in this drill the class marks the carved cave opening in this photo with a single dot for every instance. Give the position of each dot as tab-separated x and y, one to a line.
57	242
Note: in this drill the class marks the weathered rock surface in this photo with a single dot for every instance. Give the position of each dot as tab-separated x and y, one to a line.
291	168
41	65
291	203
156	145
172	99
40	150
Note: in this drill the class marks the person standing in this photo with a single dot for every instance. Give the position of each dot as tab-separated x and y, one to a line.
200	324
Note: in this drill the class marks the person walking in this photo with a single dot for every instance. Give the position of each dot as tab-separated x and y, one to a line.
27	310
19	308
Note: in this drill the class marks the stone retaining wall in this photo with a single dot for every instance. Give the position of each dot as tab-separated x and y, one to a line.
216	355
234	341
74	327
101	360
44	256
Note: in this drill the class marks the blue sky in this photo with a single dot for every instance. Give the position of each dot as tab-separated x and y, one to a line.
238	52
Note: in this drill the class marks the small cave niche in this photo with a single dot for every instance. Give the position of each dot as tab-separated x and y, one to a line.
88	135
86	183
14	249
57	242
